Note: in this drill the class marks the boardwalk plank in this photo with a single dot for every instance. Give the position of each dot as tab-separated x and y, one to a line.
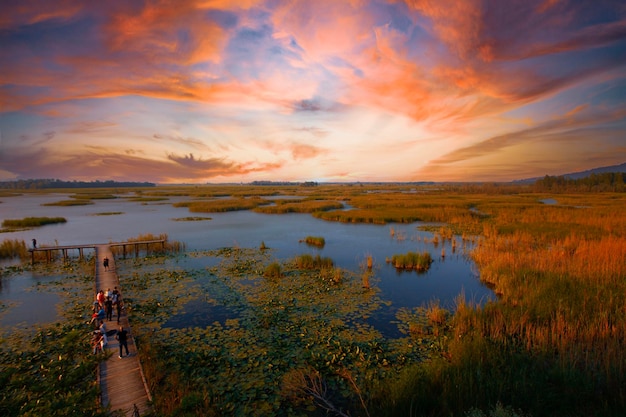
122	383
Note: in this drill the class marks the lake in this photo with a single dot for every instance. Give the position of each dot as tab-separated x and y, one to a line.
347	244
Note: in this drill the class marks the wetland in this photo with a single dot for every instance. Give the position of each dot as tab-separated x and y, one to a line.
251	320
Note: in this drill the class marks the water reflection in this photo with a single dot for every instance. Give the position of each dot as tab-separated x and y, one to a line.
24	304
347	244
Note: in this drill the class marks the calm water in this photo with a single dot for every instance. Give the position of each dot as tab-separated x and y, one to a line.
347	244
27	305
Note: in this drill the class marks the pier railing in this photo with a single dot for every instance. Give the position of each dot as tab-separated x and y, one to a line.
135	247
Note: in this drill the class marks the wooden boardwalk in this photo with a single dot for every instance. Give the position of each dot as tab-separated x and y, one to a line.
64	249
122	382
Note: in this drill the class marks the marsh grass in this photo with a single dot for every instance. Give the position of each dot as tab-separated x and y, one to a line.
13	249
412	260
553	343
222	205
147	199
29	222
317	241
93	196
306	261
299	206
191	219
273	270
69	203
108	213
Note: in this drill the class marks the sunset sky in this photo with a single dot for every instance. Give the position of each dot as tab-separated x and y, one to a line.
197	91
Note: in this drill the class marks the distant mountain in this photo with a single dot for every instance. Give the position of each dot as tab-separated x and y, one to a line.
581	174
601	170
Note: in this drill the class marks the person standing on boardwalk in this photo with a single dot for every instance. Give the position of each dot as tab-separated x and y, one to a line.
108	307
103	330
34	243
122	337
105	263
118	308
100	298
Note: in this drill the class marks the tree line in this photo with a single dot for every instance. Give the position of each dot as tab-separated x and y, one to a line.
604	182
38	184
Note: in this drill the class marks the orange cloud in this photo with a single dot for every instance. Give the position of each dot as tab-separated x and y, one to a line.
28	12
525	151
155	33
99	162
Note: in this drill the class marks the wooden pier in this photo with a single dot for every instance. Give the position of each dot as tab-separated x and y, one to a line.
123	386
127	247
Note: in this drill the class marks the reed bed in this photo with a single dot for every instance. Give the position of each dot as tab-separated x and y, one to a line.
554	343
299	206
13	249
318	241
307	261
94	196
412	260
28	222
222	205
69	203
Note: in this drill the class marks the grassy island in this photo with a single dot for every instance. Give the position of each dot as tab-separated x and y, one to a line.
28	222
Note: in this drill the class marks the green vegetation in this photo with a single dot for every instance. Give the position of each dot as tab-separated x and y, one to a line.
315	241
93	196
13	249
47	184
147	199
307	261
412	260
69	203
273	270
222	205
29	222
552	344
301	325
50	370
609	181
299	206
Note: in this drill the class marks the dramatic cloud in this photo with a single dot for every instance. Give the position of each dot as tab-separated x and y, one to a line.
357	90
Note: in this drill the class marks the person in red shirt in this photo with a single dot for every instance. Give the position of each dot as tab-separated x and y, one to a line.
100	298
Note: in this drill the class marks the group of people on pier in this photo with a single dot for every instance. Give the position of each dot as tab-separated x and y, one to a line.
103	305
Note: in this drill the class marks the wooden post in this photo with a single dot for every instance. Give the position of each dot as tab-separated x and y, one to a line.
80	253
32	252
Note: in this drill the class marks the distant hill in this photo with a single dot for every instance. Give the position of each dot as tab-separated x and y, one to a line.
581	174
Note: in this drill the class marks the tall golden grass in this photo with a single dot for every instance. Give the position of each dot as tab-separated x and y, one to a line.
554	342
